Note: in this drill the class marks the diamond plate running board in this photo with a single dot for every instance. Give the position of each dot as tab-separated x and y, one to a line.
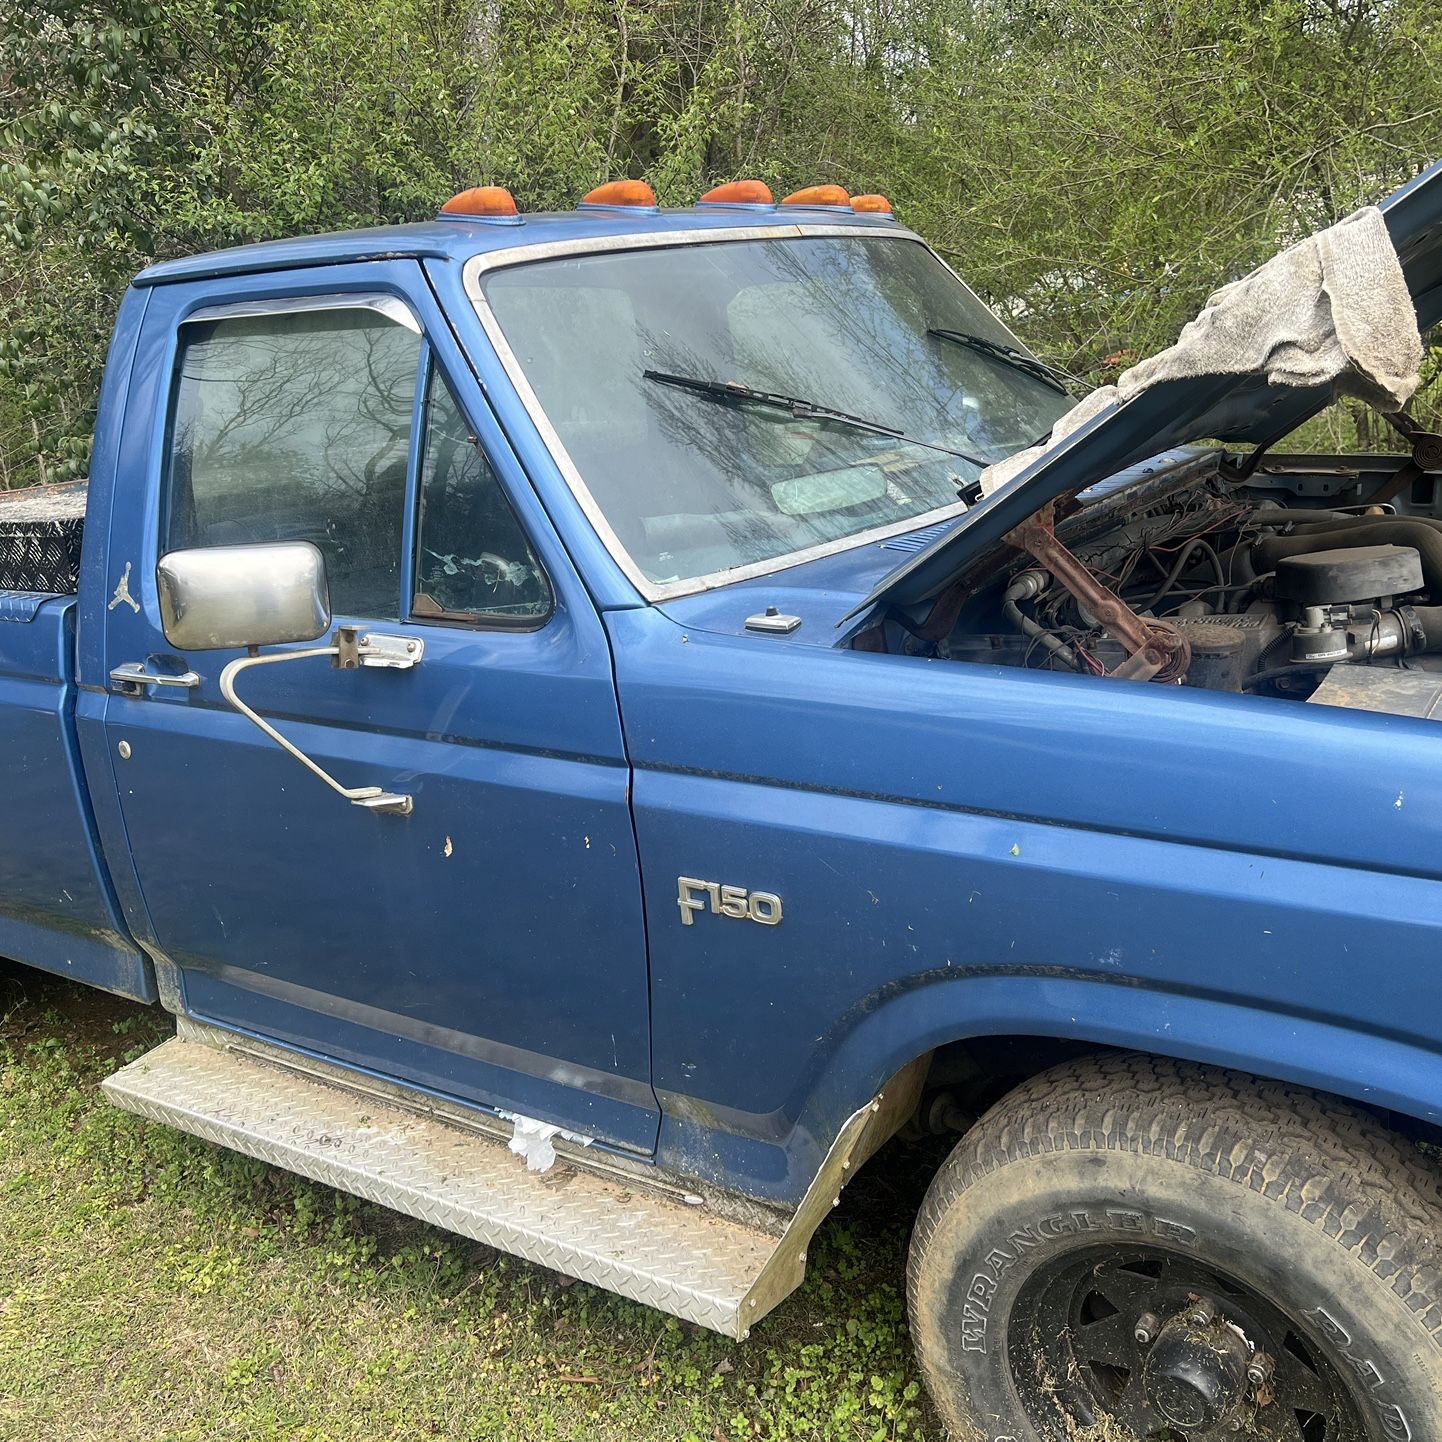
605	1229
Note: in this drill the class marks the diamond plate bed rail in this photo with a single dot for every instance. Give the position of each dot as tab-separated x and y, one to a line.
600	1228
40	534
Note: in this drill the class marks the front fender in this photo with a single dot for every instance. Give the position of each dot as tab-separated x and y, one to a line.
907	928
1371	1068
778	1152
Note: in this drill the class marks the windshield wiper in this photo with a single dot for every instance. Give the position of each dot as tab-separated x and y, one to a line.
1050	376
734	393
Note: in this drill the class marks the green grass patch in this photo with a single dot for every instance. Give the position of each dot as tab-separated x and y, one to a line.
154	1286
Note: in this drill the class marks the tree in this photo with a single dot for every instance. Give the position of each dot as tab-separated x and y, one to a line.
1094	167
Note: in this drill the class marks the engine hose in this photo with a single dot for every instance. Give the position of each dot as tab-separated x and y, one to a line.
1416	624
1027	585
1303	521
1319	521
1273	673
1403	631
1424	538
1428	620
1180	565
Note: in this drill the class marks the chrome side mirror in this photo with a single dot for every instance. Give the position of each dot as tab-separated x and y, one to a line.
223	597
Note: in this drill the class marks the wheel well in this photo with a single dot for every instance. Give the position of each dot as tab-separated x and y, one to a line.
964	1079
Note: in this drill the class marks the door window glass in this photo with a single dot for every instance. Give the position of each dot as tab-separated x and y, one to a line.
297	427
474	562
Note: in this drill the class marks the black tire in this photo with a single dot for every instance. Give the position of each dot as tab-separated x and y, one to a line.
1312	1226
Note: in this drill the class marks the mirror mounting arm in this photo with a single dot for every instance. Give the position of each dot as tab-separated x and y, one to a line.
351	648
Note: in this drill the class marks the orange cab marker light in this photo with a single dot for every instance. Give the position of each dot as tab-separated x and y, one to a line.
739	192
871	205
820	195
490	202
622	192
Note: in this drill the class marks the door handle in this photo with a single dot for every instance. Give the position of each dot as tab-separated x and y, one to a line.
132	678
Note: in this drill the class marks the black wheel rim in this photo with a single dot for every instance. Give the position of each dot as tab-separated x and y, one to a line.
1077	1362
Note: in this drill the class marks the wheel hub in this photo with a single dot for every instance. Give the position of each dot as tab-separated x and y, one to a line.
1170	1350
1196	1371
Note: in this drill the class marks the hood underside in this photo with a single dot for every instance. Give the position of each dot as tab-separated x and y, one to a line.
1236	408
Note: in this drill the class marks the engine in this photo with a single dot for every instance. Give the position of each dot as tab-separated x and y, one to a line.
1238	594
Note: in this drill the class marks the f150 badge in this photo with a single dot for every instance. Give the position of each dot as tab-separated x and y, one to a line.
693	896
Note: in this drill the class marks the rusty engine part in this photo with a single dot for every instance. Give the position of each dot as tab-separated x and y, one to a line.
1157	650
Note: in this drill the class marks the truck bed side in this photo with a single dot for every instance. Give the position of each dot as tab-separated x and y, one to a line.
57	909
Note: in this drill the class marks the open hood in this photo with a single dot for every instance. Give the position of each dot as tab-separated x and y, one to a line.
1239	408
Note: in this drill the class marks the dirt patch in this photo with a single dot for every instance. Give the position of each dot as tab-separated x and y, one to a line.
34	1003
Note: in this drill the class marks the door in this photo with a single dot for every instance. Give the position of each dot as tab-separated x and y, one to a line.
488	945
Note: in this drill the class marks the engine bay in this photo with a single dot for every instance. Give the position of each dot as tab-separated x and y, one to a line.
1211	574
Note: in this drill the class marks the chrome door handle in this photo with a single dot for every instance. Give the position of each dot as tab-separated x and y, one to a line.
132	678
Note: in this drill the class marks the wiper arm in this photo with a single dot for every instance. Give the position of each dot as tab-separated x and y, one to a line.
1049	375
734	393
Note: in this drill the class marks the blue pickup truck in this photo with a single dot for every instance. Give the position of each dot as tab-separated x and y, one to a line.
543	701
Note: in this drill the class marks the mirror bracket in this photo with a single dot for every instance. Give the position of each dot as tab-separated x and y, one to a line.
351	648
355	647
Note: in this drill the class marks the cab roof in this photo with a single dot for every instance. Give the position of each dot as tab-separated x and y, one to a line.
459	238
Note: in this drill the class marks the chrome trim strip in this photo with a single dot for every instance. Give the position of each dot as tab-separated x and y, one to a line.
392	307
479	265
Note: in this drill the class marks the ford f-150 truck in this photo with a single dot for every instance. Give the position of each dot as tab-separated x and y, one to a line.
543	701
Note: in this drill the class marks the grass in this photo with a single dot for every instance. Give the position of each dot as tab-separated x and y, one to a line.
153	1286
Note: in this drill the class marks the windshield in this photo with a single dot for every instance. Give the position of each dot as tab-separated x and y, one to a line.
694	480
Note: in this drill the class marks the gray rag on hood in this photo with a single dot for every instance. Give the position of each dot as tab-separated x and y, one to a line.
1332	310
